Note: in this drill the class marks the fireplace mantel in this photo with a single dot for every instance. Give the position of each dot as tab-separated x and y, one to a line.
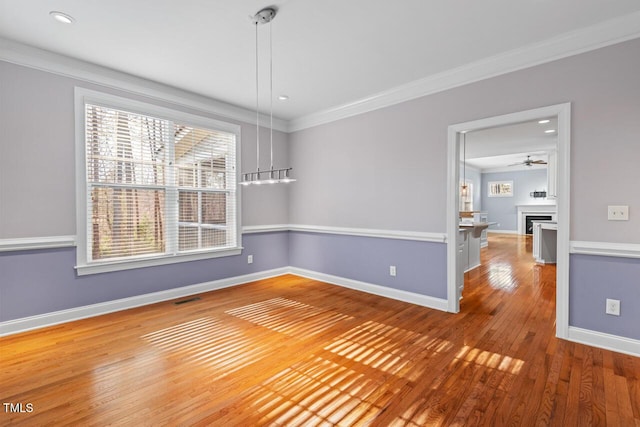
524	210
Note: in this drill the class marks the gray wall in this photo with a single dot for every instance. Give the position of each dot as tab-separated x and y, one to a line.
37	199
387	168
37	156
384	170
504	209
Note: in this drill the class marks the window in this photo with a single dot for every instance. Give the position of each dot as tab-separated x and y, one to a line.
155	186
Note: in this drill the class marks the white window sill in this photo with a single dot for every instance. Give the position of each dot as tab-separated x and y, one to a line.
108	266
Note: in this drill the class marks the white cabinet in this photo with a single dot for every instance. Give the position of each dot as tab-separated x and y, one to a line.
545	242
469	247
468	255
462	261
552	175
482	217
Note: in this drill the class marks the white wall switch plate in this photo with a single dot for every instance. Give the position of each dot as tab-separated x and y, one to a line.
250	259
618	213
392	270
613	307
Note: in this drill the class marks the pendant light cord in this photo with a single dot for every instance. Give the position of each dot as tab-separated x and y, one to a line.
257	108
271	90
464	160
282	175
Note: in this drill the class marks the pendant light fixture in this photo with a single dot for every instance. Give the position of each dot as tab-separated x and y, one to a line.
271	176
464	187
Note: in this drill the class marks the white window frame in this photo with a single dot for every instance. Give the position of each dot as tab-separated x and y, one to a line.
83	265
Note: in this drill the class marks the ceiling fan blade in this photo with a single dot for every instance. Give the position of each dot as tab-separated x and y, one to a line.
539	162
516	164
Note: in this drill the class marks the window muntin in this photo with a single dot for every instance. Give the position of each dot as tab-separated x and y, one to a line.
156	187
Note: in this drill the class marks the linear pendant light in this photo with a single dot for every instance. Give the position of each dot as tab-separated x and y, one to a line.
271	176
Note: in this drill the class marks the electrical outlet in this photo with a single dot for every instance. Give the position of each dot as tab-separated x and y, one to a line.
613	307
250	259
618	213
392	270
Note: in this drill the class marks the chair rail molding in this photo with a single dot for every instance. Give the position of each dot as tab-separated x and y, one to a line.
621	250
32	243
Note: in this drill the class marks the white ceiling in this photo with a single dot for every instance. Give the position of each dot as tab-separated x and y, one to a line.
499	148
327	53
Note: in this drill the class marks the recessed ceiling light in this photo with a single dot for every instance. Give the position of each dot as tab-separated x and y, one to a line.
61	17
550	131
283	97
544	121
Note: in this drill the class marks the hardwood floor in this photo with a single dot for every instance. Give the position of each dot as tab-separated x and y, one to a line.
293	351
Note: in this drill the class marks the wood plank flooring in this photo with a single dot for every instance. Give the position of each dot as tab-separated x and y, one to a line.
290	351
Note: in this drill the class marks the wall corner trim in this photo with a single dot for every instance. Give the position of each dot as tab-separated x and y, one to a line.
606	341
620	250
31	243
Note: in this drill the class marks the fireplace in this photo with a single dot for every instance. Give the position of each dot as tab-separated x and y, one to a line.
544	212
529	219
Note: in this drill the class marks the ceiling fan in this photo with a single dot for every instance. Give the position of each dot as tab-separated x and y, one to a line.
529	162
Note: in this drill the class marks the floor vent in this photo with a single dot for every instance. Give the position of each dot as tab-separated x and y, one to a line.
184	301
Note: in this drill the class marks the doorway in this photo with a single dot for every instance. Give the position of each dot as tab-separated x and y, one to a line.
562	112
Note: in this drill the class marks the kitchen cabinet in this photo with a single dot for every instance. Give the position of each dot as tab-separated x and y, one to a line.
462	260
482	217
469	249
468	255
545	242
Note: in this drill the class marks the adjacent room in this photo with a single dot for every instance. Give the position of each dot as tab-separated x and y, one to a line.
319	213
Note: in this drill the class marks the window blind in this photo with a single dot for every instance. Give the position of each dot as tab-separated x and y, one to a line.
156	187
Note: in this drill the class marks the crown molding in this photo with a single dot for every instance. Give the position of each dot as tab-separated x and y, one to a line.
607	33
604	34
44	60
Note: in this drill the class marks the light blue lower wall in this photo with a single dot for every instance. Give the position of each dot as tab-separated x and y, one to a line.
593	279
421	266
44	281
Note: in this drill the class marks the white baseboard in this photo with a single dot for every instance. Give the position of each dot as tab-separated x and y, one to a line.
502	231
606	341
583	336
49	319
410	297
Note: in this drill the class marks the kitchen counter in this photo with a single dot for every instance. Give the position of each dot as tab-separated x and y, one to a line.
474	227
